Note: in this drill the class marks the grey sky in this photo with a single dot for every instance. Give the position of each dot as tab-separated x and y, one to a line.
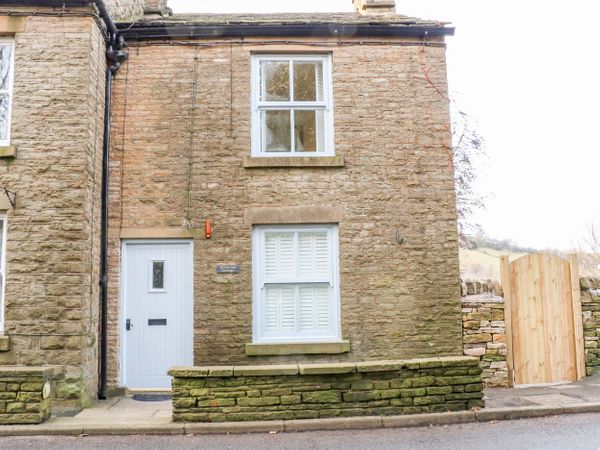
528	72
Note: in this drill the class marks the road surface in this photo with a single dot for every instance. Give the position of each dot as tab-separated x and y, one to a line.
581	431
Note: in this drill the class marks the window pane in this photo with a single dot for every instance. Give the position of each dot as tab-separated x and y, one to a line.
275	81
4	116
308	81
279	256
313	255
315	308
309	130
276	131
5	56
158	274
280	309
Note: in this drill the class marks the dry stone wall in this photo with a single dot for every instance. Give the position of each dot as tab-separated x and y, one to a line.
305	391
25	395
590	307
484	330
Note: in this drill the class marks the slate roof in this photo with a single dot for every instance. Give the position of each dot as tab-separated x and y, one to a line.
289	19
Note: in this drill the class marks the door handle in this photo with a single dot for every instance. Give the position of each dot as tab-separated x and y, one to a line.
128	324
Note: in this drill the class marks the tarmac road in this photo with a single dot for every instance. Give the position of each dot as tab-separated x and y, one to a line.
578	431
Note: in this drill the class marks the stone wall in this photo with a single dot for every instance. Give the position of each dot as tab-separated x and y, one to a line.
217	394
25	394
392	134
484	330
590	307
125	10
52	252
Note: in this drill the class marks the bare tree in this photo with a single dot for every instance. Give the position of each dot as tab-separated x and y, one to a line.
467	147
589	251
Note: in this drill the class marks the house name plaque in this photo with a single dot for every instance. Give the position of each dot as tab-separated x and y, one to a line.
228	268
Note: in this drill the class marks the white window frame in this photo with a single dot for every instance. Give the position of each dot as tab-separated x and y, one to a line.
3	234
326	105
259	284
151	287
9	90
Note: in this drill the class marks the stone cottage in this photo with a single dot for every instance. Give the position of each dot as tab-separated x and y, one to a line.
221	189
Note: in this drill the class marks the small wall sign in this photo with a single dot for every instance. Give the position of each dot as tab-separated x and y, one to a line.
228	268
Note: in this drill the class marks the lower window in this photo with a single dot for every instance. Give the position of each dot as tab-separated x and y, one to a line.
296	295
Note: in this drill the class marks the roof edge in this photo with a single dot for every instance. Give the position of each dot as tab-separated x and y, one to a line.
140	32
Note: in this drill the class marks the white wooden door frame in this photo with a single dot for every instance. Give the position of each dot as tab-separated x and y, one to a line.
123	286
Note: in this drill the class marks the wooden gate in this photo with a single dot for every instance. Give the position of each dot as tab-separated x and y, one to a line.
543	319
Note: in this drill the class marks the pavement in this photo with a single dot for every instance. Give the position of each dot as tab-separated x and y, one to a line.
126	416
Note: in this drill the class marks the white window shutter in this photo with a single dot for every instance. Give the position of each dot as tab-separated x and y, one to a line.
313	255
271	311
287	307
315	308
307	309
323	308
280	309
297	284
279	256
322	260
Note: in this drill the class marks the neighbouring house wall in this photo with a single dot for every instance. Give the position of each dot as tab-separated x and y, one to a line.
590	307
484	330
125	10
391	128
53	234
309	391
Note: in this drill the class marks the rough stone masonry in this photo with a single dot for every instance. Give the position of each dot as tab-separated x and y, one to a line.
395	178
52	253
308	391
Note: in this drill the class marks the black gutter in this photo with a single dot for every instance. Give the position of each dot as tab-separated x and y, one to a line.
166	30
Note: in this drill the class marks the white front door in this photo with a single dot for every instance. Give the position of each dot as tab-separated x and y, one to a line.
157	311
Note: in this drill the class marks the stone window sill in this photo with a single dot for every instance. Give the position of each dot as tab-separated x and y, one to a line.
311	348
293	161
8	151
4	343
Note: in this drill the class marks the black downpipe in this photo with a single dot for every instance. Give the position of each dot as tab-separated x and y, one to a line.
103	361
115	55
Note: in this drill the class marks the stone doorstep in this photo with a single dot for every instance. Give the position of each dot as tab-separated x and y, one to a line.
364	422
321	369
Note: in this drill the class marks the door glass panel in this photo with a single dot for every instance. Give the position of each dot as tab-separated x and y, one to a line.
158	274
